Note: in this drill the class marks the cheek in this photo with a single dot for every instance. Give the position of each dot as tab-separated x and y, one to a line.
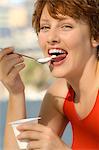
71	40
76	44
41	40
74	41
77	38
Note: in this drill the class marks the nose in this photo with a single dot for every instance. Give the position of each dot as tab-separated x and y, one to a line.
53	37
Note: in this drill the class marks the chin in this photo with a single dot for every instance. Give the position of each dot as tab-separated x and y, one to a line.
58	74
61	72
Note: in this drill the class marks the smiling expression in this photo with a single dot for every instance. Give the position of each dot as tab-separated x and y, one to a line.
69	40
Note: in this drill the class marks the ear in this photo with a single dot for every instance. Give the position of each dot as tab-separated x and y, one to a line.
95	43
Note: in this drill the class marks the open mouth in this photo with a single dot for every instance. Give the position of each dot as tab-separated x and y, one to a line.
59	53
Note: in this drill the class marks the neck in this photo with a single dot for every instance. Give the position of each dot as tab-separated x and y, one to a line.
88	80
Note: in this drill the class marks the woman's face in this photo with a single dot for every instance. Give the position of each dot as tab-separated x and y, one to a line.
69	40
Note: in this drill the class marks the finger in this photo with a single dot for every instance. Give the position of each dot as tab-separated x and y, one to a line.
11	71
30	135
34	145
32	126
12	56
13	74
15	71
11	64
6	51
8	66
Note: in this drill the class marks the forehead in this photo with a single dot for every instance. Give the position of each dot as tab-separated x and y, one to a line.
45	12
46	15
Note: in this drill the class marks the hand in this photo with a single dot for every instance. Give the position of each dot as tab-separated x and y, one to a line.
40	137
10	66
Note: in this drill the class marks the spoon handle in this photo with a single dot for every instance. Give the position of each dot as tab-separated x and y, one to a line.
26	56
22	55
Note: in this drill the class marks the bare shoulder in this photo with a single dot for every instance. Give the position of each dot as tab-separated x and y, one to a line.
58	90
51	110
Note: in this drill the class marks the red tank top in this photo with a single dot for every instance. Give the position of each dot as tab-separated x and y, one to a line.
85	131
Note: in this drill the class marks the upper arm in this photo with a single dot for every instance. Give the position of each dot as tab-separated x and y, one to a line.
51	109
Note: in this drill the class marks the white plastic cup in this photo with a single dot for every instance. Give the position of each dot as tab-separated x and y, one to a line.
22	144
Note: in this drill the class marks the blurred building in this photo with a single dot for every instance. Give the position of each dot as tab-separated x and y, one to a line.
16	24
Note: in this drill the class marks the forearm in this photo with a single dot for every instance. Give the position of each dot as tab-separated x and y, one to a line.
16	110
16	107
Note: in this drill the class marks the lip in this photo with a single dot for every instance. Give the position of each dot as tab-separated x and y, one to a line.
57	63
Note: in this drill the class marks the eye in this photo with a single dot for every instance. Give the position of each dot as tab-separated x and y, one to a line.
44	28
66	27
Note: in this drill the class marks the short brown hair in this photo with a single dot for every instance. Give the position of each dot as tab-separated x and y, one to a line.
86	10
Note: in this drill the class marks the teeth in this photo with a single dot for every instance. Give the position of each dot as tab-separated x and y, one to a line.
57	51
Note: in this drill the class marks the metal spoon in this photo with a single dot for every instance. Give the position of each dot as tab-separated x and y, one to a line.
39	60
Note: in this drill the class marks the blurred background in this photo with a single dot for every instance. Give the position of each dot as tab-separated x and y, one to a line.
16	30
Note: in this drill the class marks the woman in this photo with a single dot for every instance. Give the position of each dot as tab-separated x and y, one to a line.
68	29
